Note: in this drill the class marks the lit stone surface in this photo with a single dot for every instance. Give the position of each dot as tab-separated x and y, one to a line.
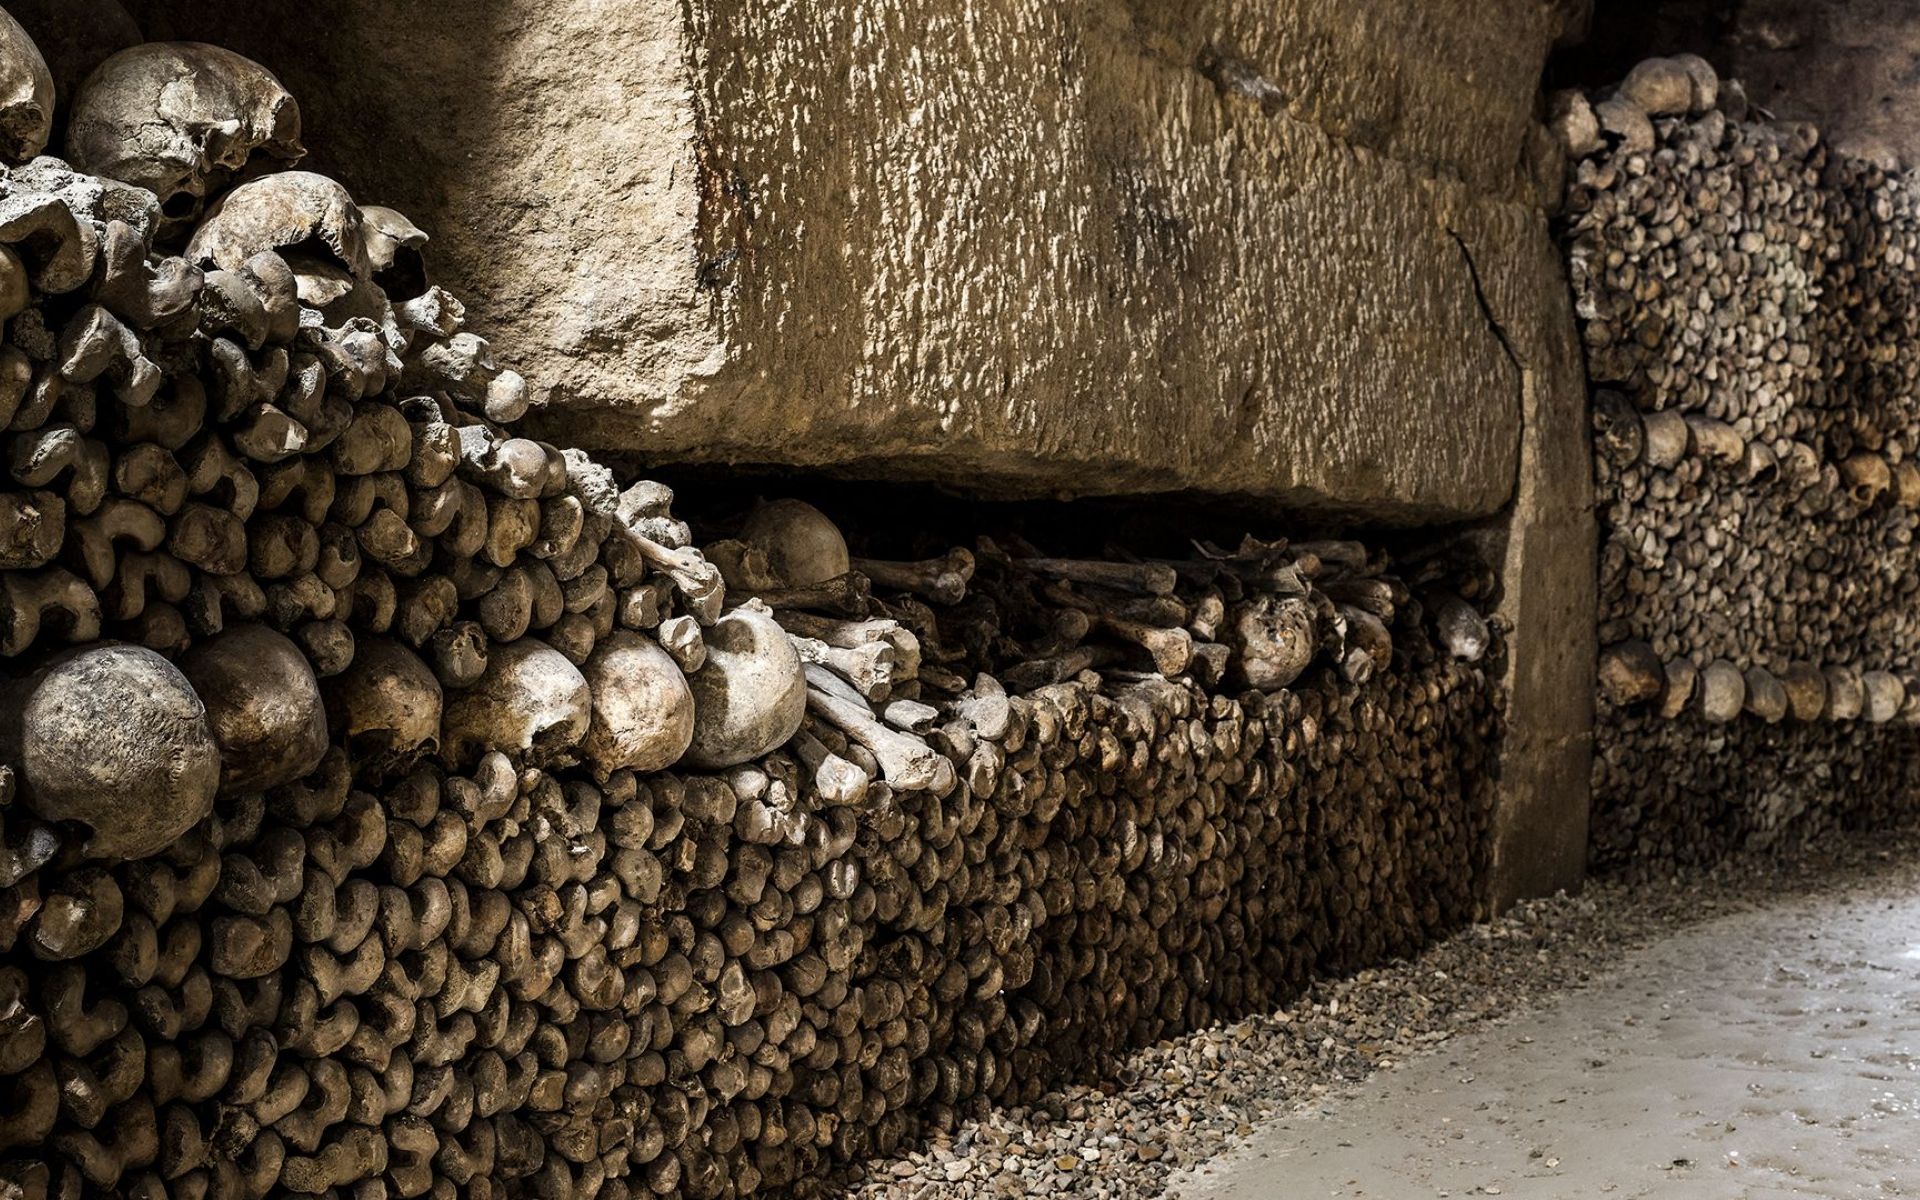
1290	251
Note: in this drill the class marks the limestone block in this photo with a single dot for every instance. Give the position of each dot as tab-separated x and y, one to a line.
1101	247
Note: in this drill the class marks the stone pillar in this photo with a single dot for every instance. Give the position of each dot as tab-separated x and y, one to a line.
1549	578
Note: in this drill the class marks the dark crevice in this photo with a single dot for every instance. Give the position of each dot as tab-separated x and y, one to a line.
1625	31
1486	308
919	520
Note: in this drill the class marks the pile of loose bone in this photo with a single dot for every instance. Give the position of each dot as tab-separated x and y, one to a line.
1747	303
394	806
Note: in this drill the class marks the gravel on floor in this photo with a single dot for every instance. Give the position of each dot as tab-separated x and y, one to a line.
1178	1103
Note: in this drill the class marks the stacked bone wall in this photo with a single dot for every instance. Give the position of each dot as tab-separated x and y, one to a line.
391	806
1748	303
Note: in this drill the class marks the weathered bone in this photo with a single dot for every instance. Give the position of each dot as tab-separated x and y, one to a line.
844	595
1866	477
1723	691
52	600
1274	639
1681	677
698	581
1631	673
144	293
60	251
681	638
117	521
387	705
393	251
1885	695
1806	689
1766	698
33	527
308	219
837	780
906	762
643	710
530	703
180	119
868	668
26	94
1152	579
1846	694
263	705
115	738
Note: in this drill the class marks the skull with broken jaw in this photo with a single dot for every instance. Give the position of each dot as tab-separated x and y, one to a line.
308	219
182	120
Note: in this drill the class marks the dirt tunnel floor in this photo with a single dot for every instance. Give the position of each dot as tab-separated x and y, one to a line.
1753	1031
1774	1052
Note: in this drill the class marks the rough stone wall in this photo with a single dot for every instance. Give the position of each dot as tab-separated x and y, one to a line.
1290	251
1747	298
391	804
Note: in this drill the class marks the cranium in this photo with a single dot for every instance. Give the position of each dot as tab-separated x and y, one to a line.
180	119
531	704
26	94
115	738
1274	639
802	546
308	219
750	696
642	709
75	36
263	703
386	706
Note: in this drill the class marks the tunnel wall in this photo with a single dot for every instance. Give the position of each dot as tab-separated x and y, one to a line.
470	950
391	804
1747	300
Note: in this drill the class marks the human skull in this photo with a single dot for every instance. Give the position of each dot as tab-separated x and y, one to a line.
113	737
75	36
386	706
180	119
750	696
802	545
531	703
642	708
308	219
263	703
26	94
1274	639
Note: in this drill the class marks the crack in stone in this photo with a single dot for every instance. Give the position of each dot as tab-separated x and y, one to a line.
1486	308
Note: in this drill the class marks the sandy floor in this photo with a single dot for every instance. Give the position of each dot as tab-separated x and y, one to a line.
1769	1053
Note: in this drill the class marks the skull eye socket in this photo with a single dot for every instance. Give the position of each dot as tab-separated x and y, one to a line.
179	206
